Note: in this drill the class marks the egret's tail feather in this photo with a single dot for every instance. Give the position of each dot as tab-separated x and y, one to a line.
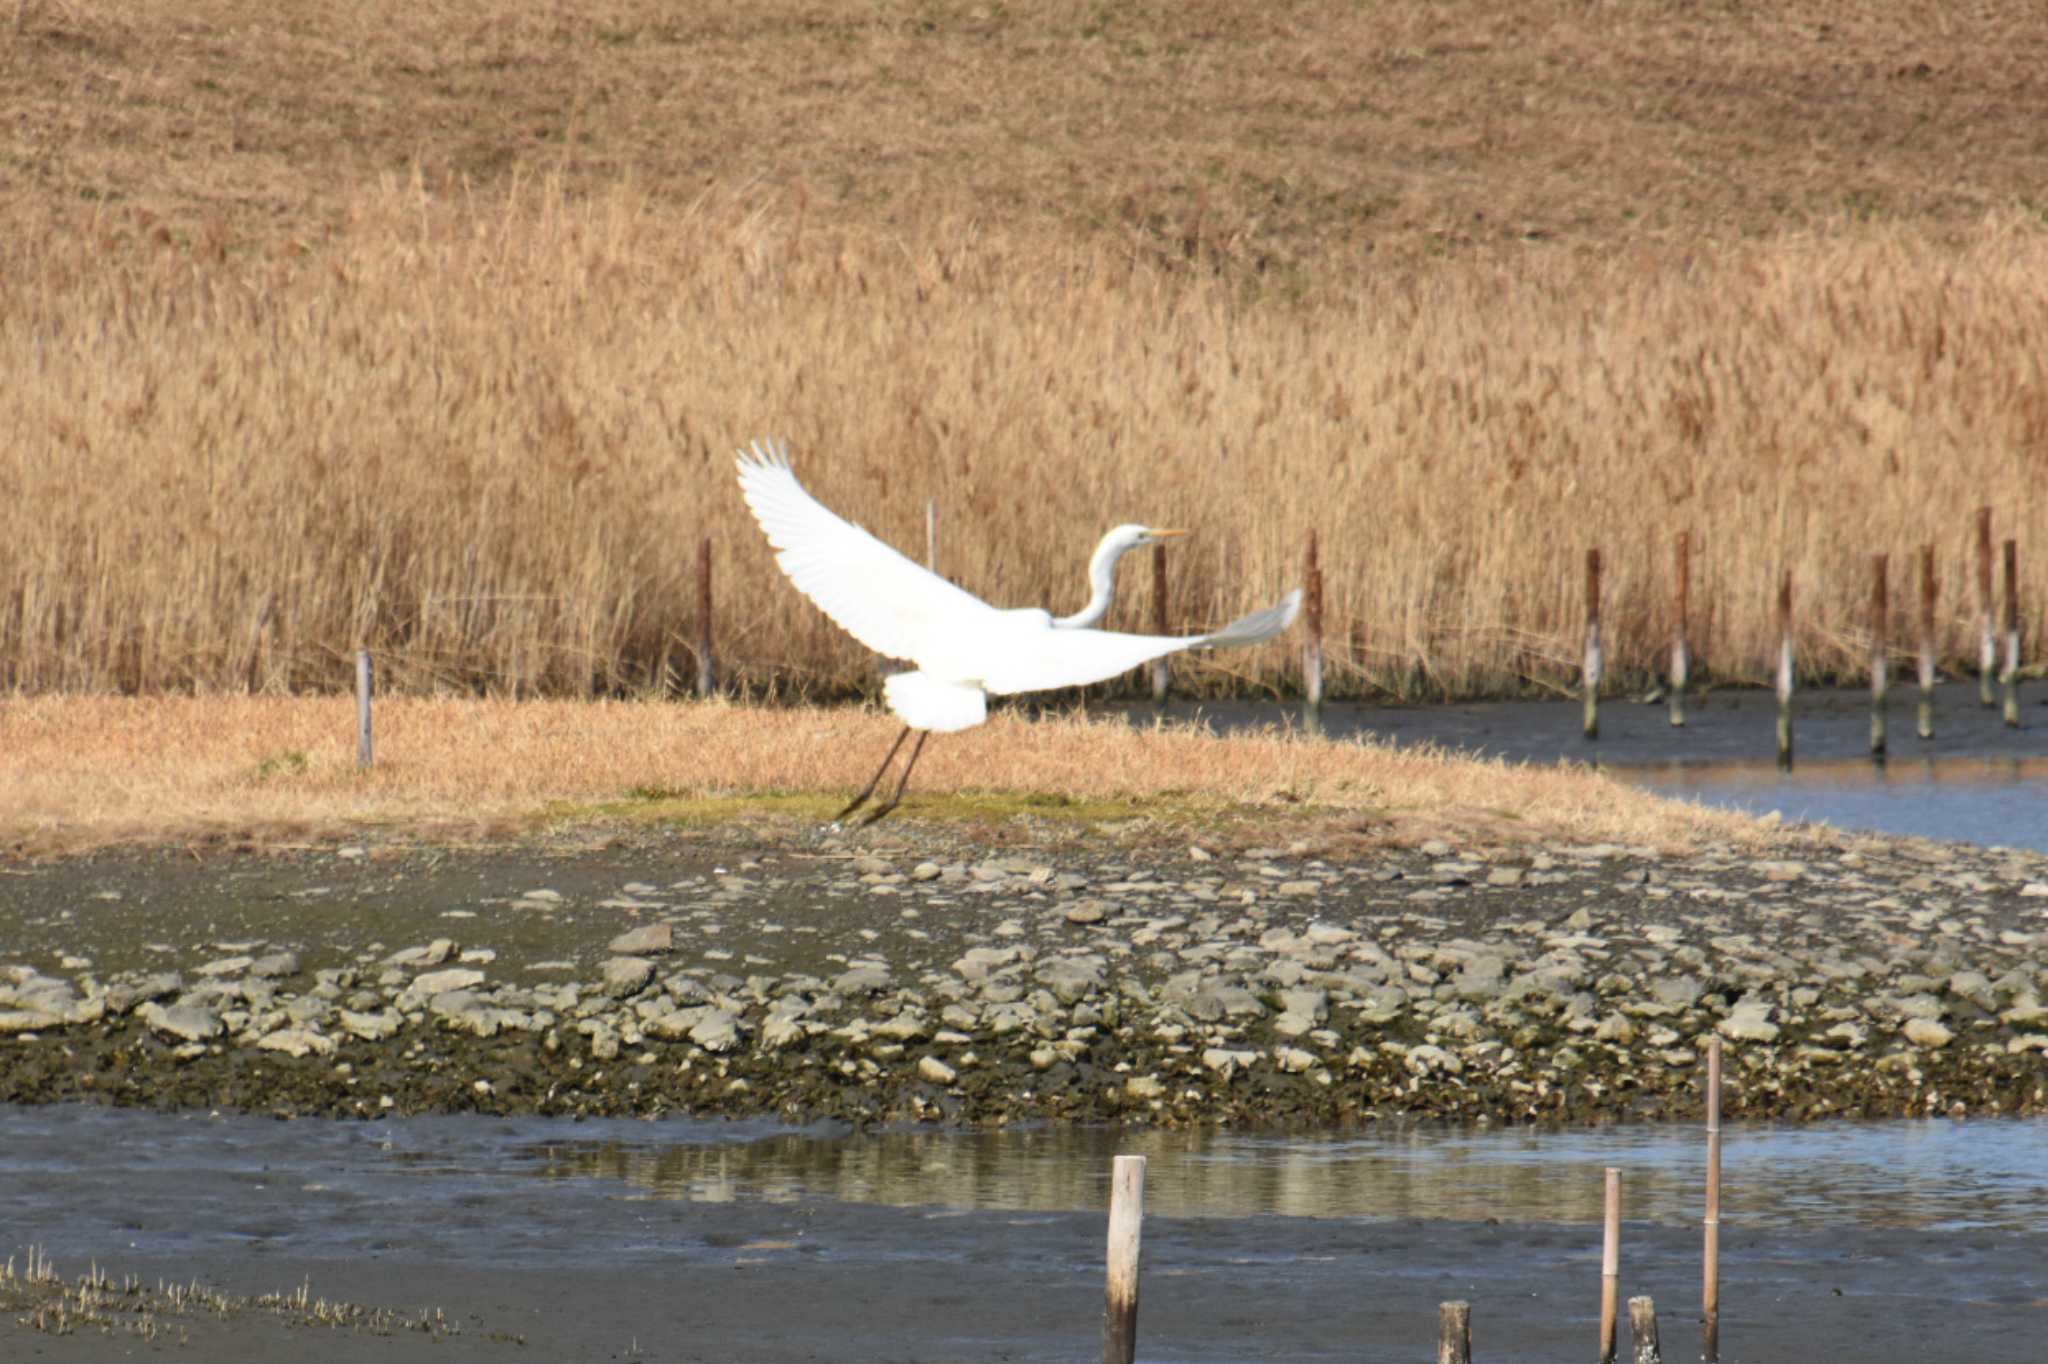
1259	626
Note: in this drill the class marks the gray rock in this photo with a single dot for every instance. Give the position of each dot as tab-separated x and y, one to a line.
433	954
276	966
371	1027
719	1030
123	997
625	976
861	980
28	1020
1225	1001
440	982
649	938
297	1042
187	1022
1070	979
1926	1032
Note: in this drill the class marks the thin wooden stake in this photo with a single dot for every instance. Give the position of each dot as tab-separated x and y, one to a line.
1161	672
931	534
707	666
1710	1291
1454	1333
1610	1266
2012	634
1681	659
1642	1323
1987	645
1312	647
1880	660
1785	677
1592	679
366	745
1927	641
1126	1220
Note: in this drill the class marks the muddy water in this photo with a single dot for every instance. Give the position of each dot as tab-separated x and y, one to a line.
694	1241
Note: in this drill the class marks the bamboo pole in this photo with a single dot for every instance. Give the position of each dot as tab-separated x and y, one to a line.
1126	1220
1593	659
1927	641
1642	1323
2012	634
1681	659
707	665
366	745
1987	644
1454	1333
1710	1288
1880	660
1785	677
1610	1266
1312	647
1161	670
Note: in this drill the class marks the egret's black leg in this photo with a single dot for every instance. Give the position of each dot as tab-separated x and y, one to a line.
915	750
875	780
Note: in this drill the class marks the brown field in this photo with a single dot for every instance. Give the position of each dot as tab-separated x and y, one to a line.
433	326
80	772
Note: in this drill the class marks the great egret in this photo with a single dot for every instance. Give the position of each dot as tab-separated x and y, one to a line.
964	649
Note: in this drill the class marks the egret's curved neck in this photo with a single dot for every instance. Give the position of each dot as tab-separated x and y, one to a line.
1101	584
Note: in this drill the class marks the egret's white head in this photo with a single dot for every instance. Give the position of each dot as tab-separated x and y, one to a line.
1131	536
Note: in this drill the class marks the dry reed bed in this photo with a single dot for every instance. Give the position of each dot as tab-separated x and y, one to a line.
79	772
485	438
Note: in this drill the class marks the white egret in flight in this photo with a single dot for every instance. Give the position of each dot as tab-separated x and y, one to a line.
964	649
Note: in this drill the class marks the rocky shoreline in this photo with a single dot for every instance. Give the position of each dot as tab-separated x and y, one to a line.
931	978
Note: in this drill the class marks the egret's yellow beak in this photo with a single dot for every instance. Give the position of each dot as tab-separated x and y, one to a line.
1164	534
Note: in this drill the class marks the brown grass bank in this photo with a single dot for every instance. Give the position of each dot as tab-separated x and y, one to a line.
80	772
432	327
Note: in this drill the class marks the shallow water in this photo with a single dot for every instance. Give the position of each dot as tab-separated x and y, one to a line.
1976	781
539	1191
1994	801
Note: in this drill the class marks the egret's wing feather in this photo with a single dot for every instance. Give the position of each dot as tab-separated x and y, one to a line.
1047	659
893	605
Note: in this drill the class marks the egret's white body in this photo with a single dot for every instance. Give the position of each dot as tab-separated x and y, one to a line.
963	649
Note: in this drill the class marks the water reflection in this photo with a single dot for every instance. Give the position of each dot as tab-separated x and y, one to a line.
1927	1175
1997	801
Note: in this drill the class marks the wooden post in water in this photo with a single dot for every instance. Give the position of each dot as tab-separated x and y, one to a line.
1126	1218
1610	1266
366	744
1681	660
1927	641
1880	660
2012	634
1312	647
1161	672
1642	1325
707	666
1592	680
1454	1333
1785	672
1987	644
1710	1288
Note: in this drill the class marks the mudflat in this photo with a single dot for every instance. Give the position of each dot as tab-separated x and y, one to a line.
916	976
926	979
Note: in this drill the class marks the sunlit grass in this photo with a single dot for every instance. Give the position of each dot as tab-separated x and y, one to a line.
77	772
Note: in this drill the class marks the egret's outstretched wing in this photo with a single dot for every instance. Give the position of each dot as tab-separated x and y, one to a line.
1074	658
891	604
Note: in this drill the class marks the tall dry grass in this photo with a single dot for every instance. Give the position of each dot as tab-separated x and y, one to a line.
485	436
